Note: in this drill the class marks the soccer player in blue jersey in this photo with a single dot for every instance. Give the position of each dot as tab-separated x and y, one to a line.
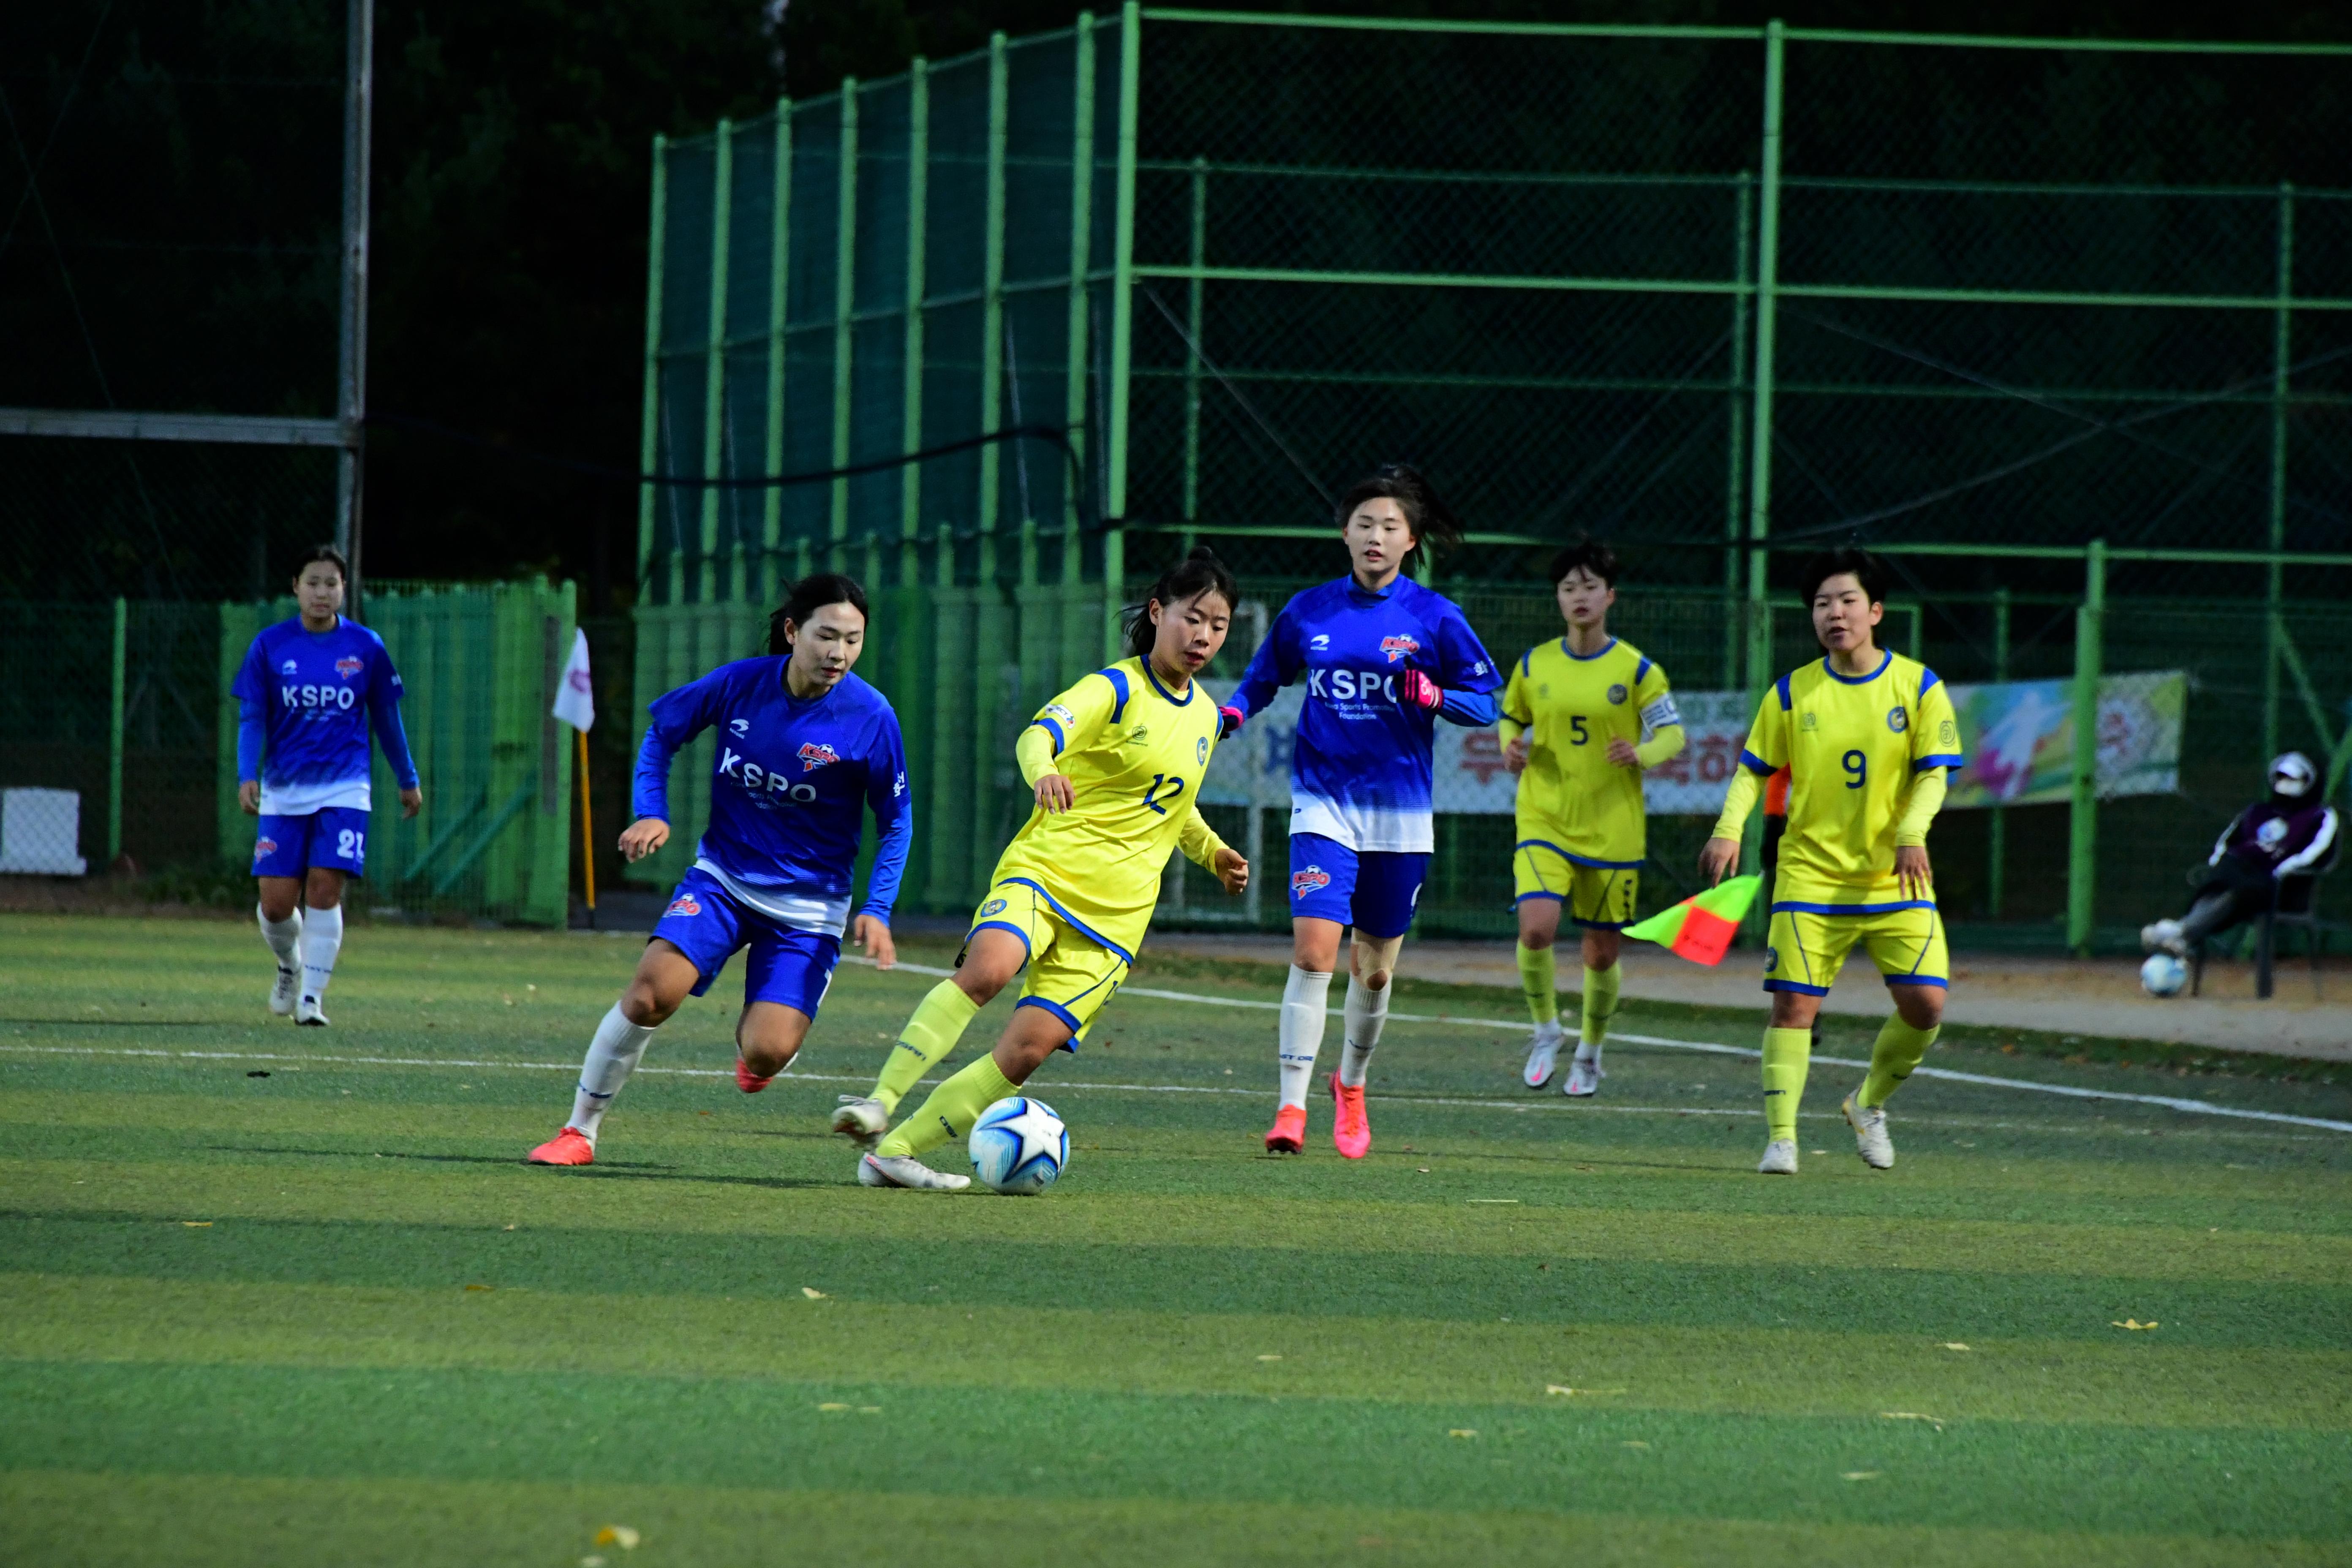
1383	659
308	693
804	748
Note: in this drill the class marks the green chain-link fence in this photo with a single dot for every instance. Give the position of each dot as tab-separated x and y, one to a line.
2062	326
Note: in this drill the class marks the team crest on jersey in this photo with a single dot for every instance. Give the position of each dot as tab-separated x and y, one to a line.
1897	719
1201	749
348	666
1312	879
1139	734
1616	695
994	906
684	904
1945	733
1771	959
262	846
1396	647
1808	722
815	754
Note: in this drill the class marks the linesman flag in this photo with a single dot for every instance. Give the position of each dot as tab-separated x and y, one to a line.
576	698
1700	929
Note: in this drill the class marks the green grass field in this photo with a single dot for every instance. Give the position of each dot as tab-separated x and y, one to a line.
278	1296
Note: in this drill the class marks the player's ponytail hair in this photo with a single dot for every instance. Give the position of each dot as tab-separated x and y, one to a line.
809	595
1199	573
1434	524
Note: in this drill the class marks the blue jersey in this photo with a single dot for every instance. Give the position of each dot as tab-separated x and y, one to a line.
788	796
1360	769
305	704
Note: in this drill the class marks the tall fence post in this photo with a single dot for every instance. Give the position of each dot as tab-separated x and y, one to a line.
2282	336
1735	424
649	419
911	397
1768	278
1122	323
780	274
2083	823
1996	830
114	738
1194	290
1082	222
991	308
844	303
714	365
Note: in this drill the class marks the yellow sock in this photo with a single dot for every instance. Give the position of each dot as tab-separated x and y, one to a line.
1787	1053
953	1107
938	1024
1599	1001
1896	1052
1540	980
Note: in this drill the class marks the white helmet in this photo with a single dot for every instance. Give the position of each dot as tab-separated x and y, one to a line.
2291	774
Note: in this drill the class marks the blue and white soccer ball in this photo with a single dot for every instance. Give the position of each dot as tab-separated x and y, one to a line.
1018	1146
2163	974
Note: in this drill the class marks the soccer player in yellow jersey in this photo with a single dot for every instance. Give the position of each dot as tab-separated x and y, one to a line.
1866	736
1116	762
1581	718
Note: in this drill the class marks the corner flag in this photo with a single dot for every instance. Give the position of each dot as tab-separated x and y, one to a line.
1700	929
575	696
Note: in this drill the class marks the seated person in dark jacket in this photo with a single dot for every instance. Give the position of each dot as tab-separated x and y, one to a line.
2293	831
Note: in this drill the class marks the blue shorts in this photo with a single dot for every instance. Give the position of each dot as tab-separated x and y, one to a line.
331	838
1374	891
790	968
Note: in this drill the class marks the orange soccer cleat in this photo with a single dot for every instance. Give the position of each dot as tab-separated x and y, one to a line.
1288	1134
748	1081
1351	1129
569	1147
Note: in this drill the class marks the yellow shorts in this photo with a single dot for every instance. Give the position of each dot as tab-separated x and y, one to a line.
1593	894
1805	948
1072	973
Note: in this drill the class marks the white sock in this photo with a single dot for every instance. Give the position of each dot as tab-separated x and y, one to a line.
284	937
613	1056
1362	1013
323	938
1306	999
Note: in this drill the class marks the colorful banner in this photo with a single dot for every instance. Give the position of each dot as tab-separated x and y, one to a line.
2018	737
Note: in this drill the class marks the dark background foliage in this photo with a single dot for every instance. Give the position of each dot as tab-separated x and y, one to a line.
176	248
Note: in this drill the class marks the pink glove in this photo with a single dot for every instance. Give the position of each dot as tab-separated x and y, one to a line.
1417	689
1229	721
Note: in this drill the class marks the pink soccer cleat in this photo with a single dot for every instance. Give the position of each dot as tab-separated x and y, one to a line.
1288	1134
568	1147
1351	1129
748	1081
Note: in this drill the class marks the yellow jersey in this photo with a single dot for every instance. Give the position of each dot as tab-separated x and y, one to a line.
1852	746
1134	754
1571	796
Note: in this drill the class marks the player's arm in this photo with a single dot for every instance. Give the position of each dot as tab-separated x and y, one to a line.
1067	723
1205	849
1274	666
384	716
1661	723
1463	690
675	718
1935	750
893	819
2322	835
251	690
1766	753
1518	717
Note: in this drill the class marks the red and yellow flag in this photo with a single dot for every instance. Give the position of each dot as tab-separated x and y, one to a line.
1700	929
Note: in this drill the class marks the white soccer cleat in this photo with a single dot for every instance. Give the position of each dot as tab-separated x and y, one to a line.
1780	1158
308	1011
286	991
861	1119
1543	1049
1869	1124
906	1171
1584	1075
2163	936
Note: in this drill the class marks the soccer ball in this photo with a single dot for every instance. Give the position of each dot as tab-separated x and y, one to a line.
1018	1146
2163	974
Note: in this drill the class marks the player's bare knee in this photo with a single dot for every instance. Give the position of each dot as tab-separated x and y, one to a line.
278	903
1921	1006
324	890
1600	949
644	1005
980	984
1794	1010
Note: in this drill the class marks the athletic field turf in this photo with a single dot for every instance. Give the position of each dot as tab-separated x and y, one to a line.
280	1296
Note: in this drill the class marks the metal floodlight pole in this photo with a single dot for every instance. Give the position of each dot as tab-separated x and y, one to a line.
714	362
2082	817
1123	322
649	417
350	367
844	307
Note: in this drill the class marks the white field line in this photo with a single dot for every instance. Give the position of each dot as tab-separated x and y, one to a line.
2170	1102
